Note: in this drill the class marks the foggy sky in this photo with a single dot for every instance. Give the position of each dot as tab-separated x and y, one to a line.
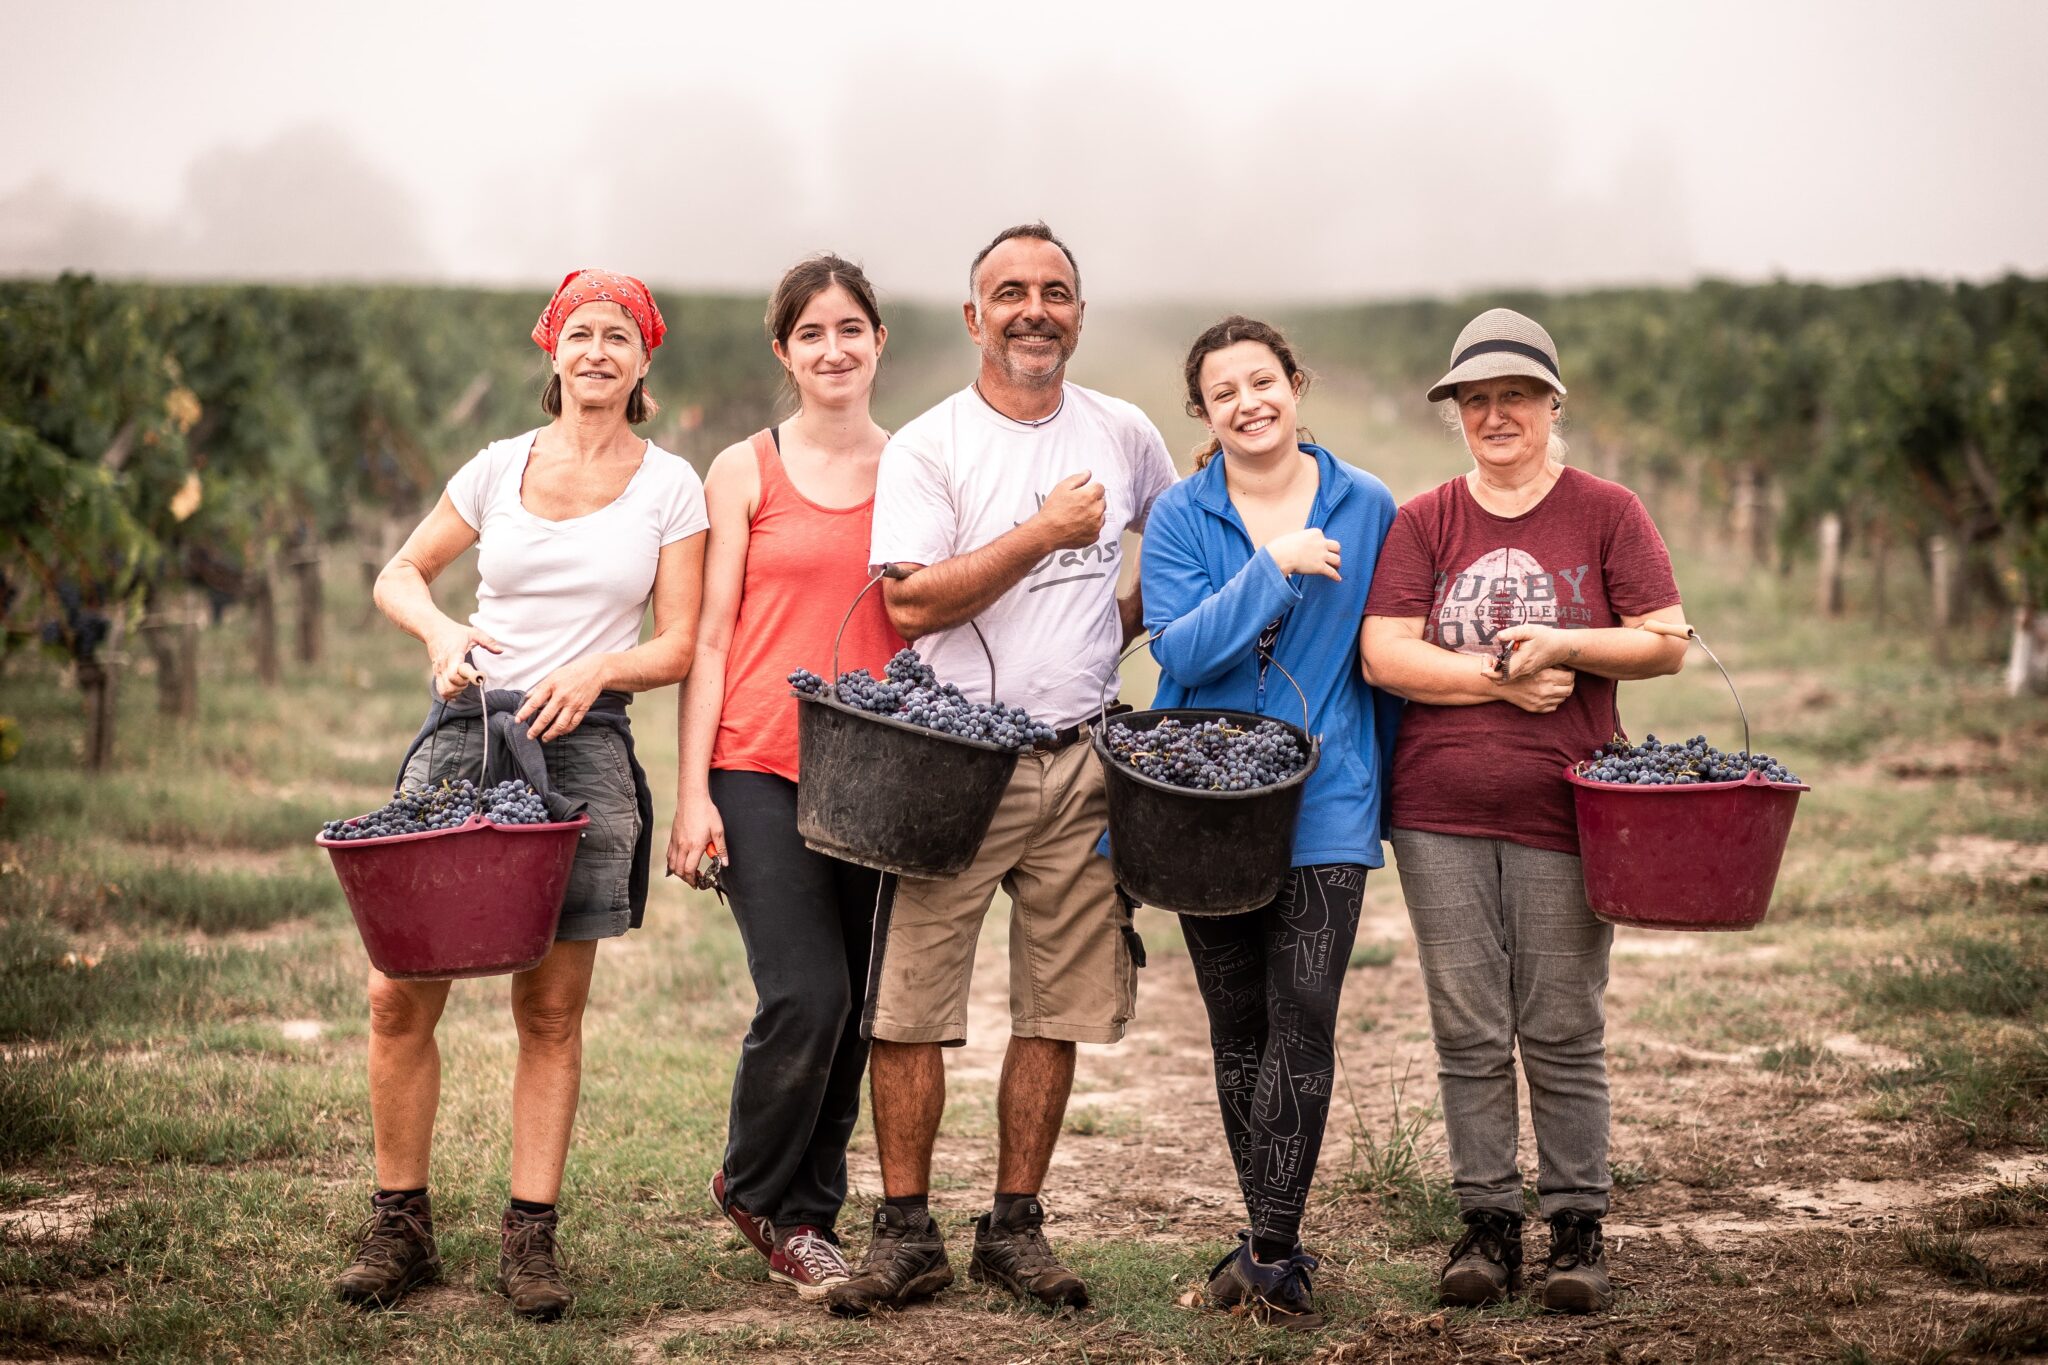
1276	152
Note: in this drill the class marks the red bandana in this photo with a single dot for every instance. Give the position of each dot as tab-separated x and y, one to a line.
592	286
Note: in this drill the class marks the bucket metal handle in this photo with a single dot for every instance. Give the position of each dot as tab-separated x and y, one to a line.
1102	707
483	698
1676	631
898	572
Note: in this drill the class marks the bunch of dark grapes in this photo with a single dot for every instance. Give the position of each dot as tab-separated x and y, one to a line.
1656	764
417	810
1212	756
513	802
909	691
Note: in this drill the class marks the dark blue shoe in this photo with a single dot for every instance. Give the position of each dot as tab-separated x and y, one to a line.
1277	1294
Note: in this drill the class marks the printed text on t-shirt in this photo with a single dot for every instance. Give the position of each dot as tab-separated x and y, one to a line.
1074	566
1503	588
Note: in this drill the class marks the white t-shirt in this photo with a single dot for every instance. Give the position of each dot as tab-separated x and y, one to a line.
963	474
552	592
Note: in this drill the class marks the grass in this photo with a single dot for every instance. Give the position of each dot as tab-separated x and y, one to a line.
1993	1096
1395	1155
1948	1254
1088	1120
1372	955
1797	1056
205	811
135	994
1990	978
143	893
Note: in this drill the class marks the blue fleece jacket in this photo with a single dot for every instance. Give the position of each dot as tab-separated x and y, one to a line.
1208	596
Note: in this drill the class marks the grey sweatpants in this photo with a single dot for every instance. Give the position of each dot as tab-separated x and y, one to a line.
1511	954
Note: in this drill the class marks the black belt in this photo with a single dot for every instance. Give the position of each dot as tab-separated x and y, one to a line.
1078	730
1062	738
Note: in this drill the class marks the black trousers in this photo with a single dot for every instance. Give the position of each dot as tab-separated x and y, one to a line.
807	921
1271	979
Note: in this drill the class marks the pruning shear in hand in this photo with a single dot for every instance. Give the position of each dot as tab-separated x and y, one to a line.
712	877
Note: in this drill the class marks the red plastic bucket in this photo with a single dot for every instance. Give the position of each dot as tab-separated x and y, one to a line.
1698	856
477	900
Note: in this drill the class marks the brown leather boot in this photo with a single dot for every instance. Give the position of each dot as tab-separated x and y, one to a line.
1013	1253
396	1252
1576	1281
527	1273
1486	1264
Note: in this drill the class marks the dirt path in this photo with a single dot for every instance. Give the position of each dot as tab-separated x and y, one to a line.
1719	1160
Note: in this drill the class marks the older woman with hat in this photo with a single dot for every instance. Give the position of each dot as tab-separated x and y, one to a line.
1503	609
579	526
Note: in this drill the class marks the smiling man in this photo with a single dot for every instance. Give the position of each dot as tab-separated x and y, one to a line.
1007	503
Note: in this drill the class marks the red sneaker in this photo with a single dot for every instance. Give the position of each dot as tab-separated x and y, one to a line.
758	1231
808	1262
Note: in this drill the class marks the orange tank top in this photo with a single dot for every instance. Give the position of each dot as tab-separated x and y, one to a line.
805	565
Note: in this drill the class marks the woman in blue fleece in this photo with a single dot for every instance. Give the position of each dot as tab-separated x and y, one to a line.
1266	551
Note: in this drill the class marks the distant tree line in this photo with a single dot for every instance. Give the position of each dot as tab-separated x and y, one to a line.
1905	417
168	452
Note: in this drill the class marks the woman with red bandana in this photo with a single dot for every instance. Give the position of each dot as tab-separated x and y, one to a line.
579	527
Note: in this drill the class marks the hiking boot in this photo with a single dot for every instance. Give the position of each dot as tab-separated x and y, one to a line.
1575	1278
397	1252
1276	1294
906	1260
1486	1264
527	1272
759	1232
1013	1253
809	1262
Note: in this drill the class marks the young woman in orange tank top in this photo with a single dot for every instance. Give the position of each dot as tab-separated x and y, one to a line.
791	510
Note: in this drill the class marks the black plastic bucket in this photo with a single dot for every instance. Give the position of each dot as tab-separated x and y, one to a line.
888	794
891	795
1200	852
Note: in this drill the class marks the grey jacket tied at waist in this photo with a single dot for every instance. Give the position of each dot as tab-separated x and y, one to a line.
525	755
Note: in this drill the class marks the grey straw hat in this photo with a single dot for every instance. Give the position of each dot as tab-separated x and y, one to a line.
1498	343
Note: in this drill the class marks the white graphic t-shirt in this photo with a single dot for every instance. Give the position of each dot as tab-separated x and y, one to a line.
962	474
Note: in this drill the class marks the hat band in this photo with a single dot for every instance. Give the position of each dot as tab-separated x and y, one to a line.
1513	348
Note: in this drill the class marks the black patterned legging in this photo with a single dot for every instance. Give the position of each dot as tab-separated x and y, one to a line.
1271	979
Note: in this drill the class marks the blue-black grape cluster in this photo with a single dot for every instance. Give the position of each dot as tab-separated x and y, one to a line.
908	690
1656	764
1212	755
83	628
417	810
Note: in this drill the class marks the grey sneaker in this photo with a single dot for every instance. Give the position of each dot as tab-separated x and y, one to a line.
1013	1253
527	1270
396	1253
906	1260
1486	1264
1575	1280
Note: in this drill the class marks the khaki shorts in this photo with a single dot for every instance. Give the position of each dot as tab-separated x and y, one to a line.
1071	974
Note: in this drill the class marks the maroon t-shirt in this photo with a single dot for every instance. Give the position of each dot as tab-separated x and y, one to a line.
1581	559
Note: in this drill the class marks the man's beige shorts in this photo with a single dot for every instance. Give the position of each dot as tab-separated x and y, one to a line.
1071	975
